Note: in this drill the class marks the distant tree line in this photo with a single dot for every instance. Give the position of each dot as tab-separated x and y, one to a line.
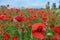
3	6
53	6
47	6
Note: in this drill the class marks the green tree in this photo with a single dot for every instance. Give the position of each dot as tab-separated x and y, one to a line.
54	6
3	7
59	6
47	5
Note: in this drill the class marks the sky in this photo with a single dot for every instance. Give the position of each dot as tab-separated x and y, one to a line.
28	3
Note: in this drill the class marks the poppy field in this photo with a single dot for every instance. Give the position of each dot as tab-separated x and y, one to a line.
29	24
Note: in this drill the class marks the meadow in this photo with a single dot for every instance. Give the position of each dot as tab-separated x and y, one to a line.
29	24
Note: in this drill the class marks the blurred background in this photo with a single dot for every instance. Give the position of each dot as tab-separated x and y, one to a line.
29	3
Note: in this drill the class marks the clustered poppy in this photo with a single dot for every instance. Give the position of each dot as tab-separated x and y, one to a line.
33	23
38	30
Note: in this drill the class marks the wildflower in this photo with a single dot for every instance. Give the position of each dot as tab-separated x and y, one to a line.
34	17
1	32
52	26
45	19
7	5
6	36
29	25
19	19
57	30
2	26
14	38
53	19
1	17
38	30
28	19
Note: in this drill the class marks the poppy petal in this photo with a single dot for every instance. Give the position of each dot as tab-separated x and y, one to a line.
38	35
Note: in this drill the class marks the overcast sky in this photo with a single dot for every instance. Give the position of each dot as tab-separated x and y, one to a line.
28	3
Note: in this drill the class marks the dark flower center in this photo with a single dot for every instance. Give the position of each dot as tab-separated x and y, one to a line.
39	29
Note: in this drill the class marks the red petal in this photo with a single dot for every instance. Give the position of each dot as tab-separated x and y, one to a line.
57	30
37	25
38	35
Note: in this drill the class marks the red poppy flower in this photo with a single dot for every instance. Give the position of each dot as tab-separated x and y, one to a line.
9	16
14	38
5	19
34	17
55	37
38	30
19	18
52	25
17	11
57	30
45	14
1	17
3	11
28	19
38	35
1	32
53	19
22	29
6	36
29	25
2	26
45	19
